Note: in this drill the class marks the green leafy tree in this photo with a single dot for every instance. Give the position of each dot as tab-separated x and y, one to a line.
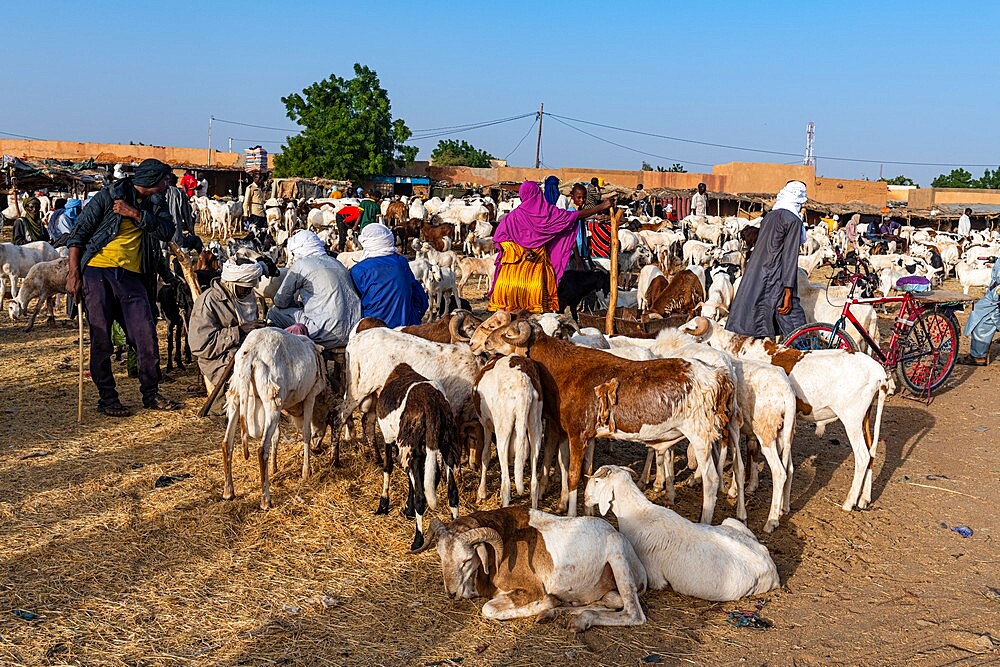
677	167
958	178
989	181
454	153
348	130
899	180
646	167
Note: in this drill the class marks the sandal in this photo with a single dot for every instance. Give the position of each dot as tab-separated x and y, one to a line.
969	360
114	410
161	403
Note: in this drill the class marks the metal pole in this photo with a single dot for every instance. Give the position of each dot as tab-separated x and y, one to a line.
210	119
538	146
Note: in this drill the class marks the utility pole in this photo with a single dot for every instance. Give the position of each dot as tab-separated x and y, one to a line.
538	146
230	144
210	119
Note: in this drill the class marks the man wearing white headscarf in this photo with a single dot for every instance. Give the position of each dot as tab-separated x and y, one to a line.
767	303
317	292
385	282
222	317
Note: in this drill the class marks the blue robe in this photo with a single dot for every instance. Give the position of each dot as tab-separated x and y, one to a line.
984	320
773	266
389	291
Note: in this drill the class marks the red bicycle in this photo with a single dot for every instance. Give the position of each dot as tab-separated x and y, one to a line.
923	345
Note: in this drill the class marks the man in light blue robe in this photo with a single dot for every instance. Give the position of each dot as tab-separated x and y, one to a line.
984	320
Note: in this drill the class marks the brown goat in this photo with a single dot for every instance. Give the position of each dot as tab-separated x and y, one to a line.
594	394
682	295
435	234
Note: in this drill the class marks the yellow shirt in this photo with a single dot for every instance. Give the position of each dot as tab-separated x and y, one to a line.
121	251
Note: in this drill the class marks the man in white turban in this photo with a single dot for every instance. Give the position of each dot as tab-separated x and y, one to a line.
388	289
317	292
222	317
767	303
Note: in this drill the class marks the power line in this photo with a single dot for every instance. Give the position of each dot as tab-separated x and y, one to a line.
260	127
522	138
22	136
471	127
558	119
765	151
452	127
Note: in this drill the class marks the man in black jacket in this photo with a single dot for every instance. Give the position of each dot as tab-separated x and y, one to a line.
114	254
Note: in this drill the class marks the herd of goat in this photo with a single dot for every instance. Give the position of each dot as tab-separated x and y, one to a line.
542	391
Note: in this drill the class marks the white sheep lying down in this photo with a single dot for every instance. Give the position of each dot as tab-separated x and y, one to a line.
715	563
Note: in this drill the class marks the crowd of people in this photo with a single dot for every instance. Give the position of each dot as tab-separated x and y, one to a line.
116	243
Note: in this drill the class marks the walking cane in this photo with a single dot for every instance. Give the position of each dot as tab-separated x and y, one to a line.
79	399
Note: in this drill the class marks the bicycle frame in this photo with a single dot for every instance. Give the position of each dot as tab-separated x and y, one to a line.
908	312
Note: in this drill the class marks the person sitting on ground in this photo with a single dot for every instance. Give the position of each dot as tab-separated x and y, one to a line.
984	320
223	316
384	279
317	292
29	228
535	243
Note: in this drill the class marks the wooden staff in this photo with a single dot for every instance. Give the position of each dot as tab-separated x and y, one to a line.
79	398
609	321
189	276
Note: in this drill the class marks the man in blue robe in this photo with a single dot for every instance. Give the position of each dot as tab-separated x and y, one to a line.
383	278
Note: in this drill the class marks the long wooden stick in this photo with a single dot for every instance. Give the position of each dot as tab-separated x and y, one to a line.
79	398
189	276
609	321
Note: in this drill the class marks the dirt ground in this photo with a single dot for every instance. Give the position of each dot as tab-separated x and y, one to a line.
117	572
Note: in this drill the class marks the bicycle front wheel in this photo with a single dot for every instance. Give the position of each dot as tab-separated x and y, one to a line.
820	336
927	352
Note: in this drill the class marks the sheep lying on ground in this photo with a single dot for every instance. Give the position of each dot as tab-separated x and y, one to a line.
710	562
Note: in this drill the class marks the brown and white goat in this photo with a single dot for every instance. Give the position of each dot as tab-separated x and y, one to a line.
683	294
597	395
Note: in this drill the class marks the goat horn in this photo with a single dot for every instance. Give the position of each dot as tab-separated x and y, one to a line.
455	327
518	333
484	535
700	327
574	325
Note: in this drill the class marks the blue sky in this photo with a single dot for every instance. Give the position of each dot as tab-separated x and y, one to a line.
882	81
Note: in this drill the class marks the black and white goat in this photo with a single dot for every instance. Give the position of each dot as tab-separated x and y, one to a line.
414	414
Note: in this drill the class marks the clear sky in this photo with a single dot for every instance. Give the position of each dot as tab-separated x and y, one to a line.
885	81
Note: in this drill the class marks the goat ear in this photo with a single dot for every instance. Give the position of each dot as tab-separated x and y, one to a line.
604	503
484	556
437	529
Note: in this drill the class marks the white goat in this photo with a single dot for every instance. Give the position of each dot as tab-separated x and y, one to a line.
717	563
275	372
44	281
510	405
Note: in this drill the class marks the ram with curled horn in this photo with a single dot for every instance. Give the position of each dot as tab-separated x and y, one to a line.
542	565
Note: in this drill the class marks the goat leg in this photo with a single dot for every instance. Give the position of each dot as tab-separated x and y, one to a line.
383	501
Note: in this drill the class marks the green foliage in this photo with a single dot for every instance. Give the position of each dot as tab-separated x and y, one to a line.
675	167
958	178
348	131
454	153
989	181
899	180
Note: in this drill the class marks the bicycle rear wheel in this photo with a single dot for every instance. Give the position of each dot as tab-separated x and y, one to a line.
928	351
820	336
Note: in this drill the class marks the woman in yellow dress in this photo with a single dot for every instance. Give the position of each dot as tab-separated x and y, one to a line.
535	242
